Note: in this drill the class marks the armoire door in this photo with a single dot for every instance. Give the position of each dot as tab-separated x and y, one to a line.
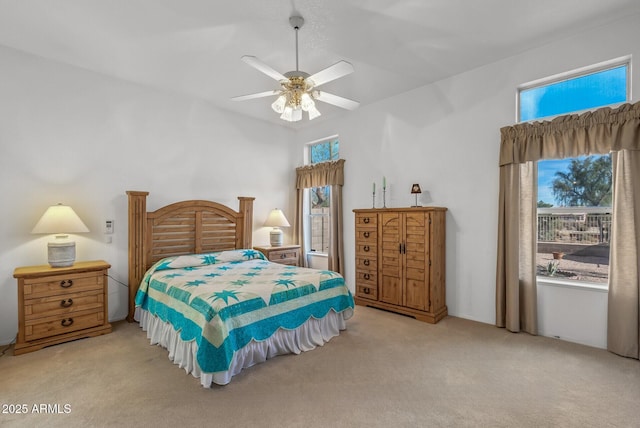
390	257
416	260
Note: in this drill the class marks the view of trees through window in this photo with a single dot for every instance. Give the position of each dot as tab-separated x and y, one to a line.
574	194
319	200
574	218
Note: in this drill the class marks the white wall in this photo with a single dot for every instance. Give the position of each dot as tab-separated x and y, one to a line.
83	139
574	314
72	136
446	137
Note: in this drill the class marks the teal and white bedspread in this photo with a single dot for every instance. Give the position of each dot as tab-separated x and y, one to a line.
227	300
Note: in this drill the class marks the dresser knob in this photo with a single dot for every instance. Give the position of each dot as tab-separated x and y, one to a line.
365	220
66	303
366	248
66	322
366	262
366	276
366	234
66	283
367	290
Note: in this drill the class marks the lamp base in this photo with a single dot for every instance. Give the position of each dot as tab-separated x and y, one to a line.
61	254
276	237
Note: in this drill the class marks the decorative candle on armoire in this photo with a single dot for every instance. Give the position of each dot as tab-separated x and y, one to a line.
373	195
384	192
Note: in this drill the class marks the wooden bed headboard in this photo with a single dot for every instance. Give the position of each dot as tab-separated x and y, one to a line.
187	227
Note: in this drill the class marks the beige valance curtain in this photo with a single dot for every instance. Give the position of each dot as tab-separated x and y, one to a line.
602	131
317	175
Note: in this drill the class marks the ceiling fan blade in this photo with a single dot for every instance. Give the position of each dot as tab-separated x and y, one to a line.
336	100
261	66
257	95
339	69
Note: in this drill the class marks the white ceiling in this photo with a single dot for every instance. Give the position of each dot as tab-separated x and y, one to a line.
194	46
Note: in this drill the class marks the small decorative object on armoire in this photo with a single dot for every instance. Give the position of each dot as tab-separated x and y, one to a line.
276	220
384	192
400	261
60	220
415	190
373	196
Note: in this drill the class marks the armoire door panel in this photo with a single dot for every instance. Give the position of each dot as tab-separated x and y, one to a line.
416	295
391	290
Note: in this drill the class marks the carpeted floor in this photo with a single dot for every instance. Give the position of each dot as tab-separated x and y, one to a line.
385	370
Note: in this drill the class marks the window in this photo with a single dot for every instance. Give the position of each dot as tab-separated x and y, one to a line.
319	197
574	194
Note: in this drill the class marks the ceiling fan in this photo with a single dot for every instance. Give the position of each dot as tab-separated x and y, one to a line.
298	90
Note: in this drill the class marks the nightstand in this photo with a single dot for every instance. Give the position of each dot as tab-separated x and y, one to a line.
56	305
285	254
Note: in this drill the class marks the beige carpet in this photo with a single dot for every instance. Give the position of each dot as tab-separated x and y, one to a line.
386	370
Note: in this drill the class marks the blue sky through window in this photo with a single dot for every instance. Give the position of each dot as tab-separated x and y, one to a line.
579	93
598	89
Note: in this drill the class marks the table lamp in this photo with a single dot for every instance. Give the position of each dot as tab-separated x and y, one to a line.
60	220
276	220
415	190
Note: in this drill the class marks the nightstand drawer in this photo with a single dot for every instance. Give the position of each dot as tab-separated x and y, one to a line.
284	256
62	284
65	323
65	304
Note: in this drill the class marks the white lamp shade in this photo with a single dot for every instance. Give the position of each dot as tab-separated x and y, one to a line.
313	112
279	104
60	219
276	218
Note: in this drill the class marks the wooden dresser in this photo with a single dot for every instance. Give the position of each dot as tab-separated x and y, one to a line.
400	260
285	254
56	305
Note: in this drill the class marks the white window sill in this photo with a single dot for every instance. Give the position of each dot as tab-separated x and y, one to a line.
567	283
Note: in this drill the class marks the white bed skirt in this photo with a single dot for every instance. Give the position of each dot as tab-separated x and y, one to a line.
305	338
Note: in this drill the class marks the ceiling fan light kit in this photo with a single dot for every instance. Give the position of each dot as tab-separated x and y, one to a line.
298	91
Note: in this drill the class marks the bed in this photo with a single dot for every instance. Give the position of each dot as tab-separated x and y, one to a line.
199	290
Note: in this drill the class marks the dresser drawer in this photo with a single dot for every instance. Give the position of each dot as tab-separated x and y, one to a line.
38	328
366	235
366	221
367	291
366	277
66	304
369	263
365	250
62	284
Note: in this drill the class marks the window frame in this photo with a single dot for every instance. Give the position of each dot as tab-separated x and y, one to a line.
561	77
573	74
307	222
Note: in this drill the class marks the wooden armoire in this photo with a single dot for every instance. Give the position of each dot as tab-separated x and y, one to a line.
400	260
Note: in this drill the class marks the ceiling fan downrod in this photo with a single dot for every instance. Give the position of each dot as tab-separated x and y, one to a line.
296	22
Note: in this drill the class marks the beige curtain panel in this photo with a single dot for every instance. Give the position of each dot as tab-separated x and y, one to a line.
599	132
317	175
